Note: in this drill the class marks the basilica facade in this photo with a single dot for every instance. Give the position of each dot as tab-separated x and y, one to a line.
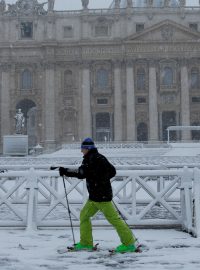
124	73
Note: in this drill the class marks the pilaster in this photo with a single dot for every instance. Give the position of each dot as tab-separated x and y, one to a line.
130	101
185	100
153	107
86	101
117	102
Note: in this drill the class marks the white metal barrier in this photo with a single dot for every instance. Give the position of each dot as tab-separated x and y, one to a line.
34	198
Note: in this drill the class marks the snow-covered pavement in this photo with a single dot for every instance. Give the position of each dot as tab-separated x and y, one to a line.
169	249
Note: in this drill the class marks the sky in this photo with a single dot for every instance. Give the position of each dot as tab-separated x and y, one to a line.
76	4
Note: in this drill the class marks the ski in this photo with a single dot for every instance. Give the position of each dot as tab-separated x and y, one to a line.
140	248
63	250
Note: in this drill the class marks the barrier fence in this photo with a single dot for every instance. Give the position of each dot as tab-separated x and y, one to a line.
35	199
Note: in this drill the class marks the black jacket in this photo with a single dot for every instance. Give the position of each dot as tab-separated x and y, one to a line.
98	171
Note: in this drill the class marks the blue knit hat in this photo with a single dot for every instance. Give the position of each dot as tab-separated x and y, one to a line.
88	143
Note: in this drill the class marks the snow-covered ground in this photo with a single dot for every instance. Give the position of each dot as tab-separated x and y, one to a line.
169	249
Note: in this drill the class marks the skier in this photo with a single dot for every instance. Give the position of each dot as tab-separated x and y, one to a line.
98	171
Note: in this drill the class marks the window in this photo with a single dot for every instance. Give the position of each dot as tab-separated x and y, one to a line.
196	99
102	101
141	79
101	30
26	80
102	78
26	30
193	26
167	76
141	100
194	78
68	31
142	132
139	27
68	79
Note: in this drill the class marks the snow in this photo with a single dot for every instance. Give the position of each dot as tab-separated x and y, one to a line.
169	249
37	250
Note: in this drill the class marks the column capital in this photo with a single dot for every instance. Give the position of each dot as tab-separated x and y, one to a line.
129	63
183	62
5	67
152	63
48	65
117	63
86	64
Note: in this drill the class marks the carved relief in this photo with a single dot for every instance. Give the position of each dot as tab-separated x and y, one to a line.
168	99
167	32
26	7
141	117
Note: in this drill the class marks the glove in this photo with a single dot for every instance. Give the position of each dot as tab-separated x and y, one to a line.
63	171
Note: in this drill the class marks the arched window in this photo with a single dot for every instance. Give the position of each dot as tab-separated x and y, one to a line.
167	76
140	79
68	81
142	132
194	78
26	80
102	78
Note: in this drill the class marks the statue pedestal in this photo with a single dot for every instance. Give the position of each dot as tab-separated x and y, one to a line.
15	145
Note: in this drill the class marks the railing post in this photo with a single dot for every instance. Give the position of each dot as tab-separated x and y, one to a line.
197	200
32	189
134	201
186	199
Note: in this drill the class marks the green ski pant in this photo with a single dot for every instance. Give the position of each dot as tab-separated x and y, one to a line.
111	214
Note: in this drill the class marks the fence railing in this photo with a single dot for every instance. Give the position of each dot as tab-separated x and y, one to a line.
33	199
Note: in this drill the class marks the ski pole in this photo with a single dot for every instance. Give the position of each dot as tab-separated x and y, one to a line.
122	216
69	211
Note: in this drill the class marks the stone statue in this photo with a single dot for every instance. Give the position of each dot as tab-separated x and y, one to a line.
85	4
129	3
20	122
182	3
117	3
51	5
2	6
150	3
166	3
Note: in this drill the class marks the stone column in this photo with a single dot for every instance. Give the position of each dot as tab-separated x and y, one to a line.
153	104
86	102
5	101
50	103
130	102
117	102
185	101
